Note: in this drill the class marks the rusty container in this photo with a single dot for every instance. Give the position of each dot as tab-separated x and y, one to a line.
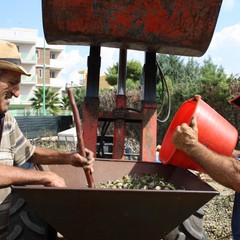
166	26
78	212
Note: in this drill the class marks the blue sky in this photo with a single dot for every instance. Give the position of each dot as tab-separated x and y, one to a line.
224	48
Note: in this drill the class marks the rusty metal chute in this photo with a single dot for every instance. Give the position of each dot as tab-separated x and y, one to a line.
82	213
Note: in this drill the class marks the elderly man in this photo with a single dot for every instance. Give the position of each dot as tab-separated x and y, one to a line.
223	169
15	149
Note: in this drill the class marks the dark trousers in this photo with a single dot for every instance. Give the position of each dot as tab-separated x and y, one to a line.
236	217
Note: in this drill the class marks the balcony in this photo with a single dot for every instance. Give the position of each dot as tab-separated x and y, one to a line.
28	58
28	80
57	82
57	64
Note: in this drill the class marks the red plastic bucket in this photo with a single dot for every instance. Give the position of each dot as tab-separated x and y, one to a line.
214	131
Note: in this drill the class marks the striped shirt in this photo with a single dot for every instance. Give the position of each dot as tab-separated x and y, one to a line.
15	149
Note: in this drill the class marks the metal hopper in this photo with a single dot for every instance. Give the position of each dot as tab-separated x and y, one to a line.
79	212
173	27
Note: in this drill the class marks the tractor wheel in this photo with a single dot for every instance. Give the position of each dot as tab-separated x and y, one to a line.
25	224
190	229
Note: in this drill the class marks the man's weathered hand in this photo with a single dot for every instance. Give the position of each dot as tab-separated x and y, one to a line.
86	162
53	180
186	136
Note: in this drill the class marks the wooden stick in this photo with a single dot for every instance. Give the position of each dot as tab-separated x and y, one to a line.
78	124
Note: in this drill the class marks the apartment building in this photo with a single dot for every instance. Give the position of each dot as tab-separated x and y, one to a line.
43	61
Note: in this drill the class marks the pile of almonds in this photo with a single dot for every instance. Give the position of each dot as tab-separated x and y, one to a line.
147	181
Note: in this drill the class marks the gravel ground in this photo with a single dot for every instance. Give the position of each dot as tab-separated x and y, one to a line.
218	212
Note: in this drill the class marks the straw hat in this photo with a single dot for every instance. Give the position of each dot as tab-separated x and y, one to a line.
10	58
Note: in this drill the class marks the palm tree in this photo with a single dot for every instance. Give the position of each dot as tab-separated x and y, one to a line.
65	102
52	102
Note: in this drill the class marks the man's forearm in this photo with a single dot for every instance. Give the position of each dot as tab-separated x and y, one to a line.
217	165
236	153
50	156
14	176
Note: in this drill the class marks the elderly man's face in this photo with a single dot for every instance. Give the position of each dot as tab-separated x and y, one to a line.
9	86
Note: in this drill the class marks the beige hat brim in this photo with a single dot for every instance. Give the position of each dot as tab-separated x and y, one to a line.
13	67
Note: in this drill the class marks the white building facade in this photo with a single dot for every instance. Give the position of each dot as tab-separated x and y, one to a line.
43	61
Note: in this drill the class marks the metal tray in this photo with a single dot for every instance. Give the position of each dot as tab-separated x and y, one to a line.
78	212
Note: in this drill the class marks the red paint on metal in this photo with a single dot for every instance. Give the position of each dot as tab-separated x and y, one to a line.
90	122
119	130
81	146
85	213
149	130
174	27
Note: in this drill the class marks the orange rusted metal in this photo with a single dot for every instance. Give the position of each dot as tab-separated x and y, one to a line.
119	129
149	130
91	108
78	124
78	212
167	26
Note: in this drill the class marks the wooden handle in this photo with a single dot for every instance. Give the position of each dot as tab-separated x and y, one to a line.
78	124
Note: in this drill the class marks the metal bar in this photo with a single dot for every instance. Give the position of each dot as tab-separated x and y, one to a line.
122	72
149	109
149	78
120	123
90	122
94	63
149	132
91	101
78	124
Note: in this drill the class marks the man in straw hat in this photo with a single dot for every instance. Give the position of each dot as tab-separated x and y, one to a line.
223	169
15	149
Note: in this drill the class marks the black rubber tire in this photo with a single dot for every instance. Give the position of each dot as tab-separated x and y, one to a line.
26	224
190	229
4	217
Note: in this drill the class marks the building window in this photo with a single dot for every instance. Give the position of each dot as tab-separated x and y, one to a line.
52	55
37	53
40	73
52	74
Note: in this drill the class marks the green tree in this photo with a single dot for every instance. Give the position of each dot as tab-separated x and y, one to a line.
172	66
65	102
234	90
112	74
134	71
52	102
213	85
131	85
190	78
79	95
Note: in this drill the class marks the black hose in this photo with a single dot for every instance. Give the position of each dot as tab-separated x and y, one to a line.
164	85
